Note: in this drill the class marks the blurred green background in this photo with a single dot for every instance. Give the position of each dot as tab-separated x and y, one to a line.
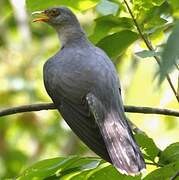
25	46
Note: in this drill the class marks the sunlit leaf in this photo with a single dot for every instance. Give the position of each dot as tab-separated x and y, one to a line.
170	54
105	24
109	173
148	12
147	4
146	54
104	171
175	7
155	24
59	167
33	5
158	2
166	172
178	87
115	44
43	168
106	7
170	154
151	151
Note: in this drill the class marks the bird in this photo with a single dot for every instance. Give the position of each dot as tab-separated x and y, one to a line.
84	86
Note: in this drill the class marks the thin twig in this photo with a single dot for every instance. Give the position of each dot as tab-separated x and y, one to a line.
154	164
175	176
177	66
135	128
48	106
150	47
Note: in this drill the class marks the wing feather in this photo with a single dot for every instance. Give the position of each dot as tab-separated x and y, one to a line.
84	126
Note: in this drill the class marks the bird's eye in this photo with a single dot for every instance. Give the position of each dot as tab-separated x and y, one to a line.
54	12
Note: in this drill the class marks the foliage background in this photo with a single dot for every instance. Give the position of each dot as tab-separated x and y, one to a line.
24	47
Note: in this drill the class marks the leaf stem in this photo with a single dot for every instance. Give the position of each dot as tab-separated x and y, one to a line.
177	66
175	176
150	47
154	164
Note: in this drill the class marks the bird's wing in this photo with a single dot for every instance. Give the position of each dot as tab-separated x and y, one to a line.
67	87
80	120
122	149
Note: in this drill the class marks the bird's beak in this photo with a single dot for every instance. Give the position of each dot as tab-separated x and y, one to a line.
42	16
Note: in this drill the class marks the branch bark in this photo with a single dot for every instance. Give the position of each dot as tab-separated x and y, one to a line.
51	106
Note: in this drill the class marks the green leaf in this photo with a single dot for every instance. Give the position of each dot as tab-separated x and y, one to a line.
158	2
155	24
105	24
149	12
96	173
104	171
43	168
174	3
115	44
147	4
170	54
106	7
34	5
175	7
170	154
146	54
150	150
166	172
109	173
59	167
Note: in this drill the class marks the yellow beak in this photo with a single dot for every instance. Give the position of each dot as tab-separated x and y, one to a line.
42	16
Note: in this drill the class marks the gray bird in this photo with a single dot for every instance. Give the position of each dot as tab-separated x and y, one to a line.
83	84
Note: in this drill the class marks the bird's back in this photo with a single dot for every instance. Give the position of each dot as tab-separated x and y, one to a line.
80	69
69	76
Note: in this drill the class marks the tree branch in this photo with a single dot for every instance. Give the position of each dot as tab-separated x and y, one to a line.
150	110
150	47
48	106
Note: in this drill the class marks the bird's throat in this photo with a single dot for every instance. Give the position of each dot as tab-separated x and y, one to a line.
70	34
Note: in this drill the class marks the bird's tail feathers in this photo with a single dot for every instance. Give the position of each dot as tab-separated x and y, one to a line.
122	148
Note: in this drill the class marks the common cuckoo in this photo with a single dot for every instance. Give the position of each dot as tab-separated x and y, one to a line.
83	84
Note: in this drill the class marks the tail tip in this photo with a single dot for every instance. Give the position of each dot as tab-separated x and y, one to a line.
130	173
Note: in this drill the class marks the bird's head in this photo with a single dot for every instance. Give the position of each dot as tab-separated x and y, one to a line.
56	16
63	21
